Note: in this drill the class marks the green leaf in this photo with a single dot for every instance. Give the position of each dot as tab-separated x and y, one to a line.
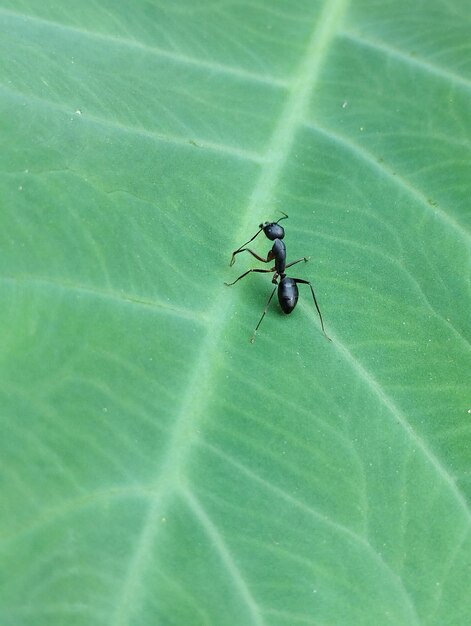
156	467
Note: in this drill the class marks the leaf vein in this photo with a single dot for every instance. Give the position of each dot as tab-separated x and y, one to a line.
396	178
117	296
182	59
410	60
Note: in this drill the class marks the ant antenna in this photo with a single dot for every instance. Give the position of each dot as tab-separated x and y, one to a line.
282	218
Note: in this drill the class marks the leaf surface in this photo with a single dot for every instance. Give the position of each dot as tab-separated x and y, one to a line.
157	467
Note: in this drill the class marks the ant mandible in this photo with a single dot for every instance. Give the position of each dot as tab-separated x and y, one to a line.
288	292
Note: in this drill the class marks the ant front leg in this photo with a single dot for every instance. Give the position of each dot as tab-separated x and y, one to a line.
306	282
248	272
257	256
242	247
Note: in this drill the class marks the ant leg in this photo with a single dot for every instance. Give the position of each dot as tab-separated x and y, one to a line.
242	246
305	259
248	272
257	256
306	282
250	240
263	314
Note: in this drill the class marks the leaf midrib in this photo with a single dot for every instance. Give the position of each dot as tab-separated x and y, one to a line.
170	480
198	395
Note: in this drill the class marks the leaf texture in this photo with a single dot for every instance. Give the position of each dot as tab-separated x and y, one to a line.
156	467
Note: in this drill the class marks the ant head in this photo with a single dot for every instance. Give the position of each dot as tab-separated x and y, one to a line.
273	230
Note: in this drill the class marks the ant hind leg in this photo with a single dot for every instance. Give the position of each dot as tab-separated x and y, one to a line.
306	282
263	315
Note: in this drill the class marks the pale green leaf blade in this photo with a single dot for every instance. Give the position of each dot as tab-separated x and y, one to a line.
158	468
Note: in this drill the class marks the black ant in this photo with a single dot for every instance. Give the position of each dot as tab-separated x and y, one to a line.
288	292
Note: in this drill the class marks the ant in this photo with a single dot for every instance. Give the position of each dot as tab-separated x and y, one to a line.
288	292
